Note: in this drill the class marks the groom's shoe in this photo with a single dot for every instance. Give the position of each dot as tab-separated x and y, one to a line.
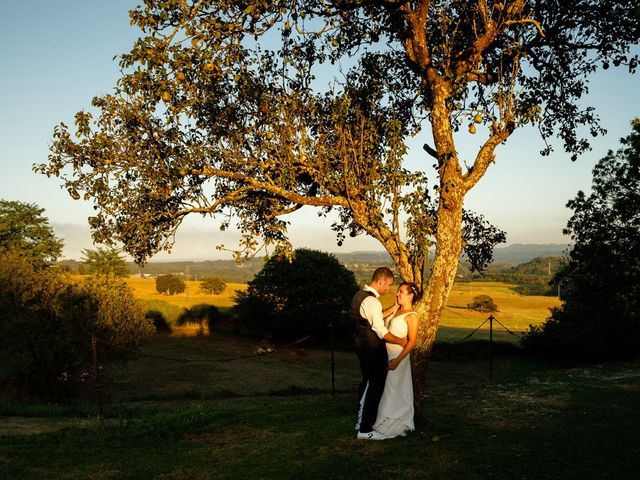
372	435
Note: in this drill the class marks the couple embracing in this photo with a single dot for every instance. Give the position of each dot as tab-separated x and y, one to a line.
384	340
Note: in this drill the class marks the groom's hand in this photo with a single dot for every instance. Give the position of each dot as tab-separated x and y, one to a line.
393	364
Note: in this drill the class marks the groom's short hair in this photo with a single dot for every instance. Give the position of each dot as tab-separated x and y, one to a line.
382	273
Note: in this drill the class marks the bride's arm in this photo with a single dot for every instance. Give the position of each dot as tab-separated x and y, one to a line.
412	323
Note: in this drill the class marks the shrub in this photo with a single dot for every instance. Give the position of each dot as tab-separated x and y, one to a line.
47	321
159	322
45	328
200	315
483	303
170	284
214	285
291	299
120	319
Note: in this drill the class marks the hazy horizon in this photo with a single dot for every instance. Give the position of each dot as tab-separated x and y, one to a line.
200	245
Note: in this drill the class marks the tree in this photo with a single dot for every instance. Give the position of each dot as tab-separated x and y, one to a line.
289	300
170	284
23	229
483	303
216	115
47	320
600	284
214	285
104	261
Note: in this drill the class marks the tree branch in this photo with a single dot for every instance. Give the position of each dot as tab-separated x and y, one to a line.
258	186
485	156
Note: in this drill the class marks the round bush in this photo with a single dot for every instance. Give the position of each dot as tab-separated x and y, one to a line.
201	315
159	322
213	285
170	284
483	303
293	298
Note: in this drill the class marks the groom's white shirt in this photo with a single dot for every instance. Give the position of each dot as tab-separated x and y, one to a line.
371	309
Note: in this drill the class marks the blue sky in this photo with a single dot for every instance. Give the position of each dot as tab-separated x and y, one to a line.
58	55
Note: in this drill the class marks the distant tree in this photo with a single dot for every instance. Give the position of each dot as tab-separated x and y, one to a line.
23	229
214	285
483	303
290	299
170	284
600	285
219	110
105	261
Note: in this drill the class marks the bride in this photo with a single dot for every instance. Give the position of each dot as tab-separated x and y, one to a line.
395	411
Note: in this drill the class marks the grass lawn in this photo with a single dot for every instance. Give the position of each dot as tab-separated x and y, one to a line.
273	416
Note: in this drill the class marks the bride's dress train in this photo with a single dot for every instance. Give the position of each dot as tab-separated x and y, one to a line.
395	411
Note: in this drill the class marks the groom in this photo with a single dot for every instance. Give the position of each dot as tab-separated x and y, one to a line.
370	336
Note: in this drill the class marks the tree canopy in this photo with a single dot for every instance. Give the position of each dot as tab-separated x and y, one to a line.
224	108
290	300
600	284
213	285
170	284
483	303
23	229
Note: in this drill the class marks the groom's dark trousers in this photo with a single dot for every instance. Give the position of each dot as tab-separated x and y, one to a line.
372	355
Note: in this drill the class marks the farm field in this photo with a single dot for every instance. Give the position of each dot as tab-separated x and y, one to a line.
145	289
171	306
516	312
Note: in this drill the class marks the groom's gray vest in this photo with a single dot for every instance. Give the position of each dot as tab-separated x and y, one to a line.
365	337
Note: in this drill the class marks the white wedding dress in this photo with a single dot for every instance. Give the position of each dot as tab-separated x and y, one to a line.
395	411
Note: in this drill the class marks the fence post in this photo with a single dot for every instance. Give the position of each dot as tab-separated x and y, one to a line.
491	319
96	373
333	363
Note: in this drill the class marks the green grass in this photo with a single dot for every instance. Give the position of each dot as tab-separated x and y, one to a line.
273	416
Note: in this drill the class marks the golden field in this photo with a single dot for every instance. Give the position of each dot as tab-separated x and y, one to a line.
145	289
516	312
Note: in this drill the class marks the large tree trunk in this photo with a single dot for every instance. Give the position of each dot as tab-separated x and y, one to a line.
448	242
429	309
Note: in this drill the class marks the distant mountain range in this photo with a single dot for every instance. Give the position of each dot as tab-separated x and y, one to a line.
514	254
523	252
359	261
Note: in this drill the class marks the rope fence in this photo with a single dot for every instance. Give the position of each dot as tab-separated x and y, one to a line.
490	319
